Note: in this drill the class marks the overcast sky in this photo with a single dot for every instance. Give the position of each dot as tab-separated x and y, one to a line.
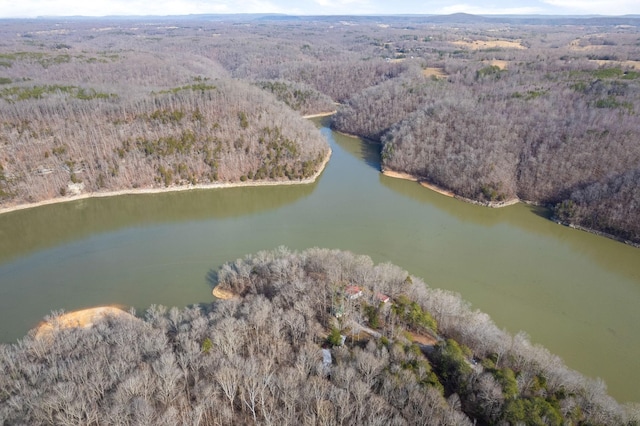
33	8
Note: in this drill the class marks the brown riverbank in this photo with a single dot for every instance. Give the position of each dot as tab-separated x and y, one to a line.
498	204
596	232
446	192
135	191
357	137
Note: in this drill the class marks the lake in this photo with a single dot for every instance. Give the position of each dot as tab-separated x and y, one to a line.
575	293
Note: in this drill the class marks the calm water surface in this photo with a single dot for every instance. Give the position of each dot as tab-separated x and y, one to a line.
573	292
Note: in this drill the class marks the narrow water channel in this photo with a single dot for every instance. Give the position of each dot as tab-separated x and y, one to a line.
573	292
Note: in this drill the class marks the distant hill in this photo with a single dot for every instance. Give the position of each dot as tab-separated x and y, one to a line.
455	18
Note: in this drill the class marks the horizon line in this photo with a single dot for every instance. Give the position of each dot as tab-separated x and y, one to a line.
371	15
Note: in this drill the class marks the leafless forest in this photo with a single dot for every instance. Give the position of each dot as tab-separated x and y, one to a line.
421	358
546	114
493	110
86	108
540	110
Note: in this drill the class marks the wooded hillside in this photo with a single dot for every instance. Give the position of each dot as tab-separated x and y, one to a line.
492	110
544	120
421	357
495	111
205	132
74	120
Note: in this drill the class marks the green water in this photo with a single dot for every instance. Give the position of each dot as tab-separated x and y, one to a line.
573	292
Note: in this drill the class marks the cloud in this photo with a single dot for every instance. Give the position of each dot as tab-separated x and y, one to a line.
339	7
32	8
600	7
489	10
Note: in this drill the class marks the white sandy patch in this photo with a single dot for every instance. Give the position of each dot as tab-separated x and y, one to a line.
489	44
84	318
434	72
222	294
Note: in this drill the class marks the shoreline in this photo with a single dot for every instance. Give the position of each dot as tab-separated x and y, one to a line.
365	139
320	114
82	318
141	191
595	232
223	294
447	193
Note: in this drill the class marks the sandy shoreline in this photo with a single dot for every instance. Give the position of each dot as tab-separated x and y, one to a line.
446	192
320	114
437	189
137	191
424	183
400	175
223	294
82	318
367	140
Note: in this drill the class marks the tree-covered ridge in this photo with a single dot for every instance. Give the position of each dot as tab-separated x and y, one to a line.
258	359
491	110
541	124
206	132
120	114
546	141
545	145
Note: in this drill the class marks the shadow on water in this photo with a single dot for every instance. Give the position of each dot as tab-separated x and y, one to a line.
612	255
541	211
212	278
370	153
25	231
366	151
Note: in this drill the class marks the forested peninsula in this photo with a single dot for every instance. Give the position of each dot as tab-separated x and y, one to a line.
314	337
77	121
549	119
493	109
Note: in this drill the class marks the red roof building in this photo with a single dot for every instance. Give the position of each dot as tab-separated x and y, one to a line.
353	291
382	298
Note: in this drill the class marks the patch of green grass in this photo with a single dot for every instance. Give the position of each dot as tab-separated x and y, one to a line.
631	75
46	59
531	94
608	73
199	85
167	116
611	102
580	86
170	145
20	93
490	71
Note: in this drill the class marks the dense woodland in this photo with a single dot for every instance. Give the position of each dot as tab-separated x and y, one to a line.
549	118
422	357
74	120
544	110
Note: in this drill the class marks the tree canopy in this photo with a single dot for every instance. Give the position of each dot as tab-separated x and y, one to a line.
257	358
